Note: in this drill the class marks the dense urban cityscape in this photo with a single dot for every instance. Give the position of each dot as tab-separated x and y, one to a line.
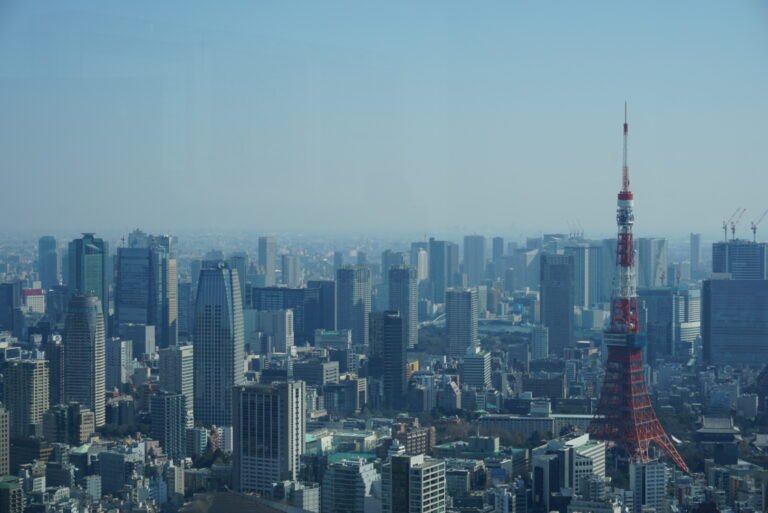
510	377
399	257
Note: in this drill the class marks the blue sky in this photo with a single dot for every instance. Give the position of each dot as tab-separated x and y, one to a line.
391	117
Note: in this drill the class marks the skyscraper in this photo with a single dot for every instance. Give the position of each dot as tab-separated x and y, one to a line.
557	300
48	261
474	259
269	428
267	259
734	322
26	395
327	314
218	344
54	354
84	355
648	484
404	298
169	422
118	363
461	321
5	438
290	271
146	289
413	484
745	260
239	262
305	304
651	262
695	255
89	270
177	373
438	269
393	355
580	253
353	302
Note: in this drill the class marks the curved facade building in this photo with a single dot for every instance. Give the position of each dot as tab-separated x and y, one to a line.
218	344
84	355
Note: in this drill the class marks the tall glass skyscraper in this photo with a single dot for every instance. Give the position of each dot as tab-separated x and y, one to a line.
474	259
557	299
48	262
89	270
218	344
353	302
404	298
146	289
461	321
84	355
267	259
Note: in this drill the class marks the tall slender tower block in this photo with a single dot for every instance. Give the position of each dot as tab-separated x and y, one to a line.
625	415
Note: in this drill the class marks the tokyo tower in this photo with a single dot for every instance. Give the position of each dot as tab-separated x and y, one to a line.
625	415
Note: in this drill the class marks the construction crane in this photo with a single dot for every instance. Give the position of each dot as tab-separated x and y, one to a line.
725	223
734	222
754	224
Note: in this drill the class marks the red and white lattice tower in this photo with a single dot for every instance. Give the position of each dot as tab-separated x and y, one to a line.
625	414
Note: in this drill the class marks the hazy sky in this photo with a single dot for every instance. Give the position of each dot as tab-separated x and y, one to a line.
490	117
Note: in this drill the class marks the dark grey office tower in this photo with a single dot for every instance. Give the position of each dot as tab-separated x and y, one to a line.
404	298
218	344
695	255
389	259
557	300
85	355
745	260
497	252
438	269
89	270
186	306
327	310
168	413
461	321
239	261
10	302
394	360
734	322
54	353
455	277
48	261
474	259
146	290
268	259
305	304
353	302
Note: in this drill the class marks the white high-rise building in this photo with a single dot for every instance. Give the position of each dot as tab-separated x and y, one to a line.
461	321
413	484
404	298
651	262
476	369
177	374
269	427
119	363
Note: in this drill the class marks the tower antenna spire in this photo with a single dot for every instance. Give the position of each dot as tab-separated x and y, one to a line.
625	414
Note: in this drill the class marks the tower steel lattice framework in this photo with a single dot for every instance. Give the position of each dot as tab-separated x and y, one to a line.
625	415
